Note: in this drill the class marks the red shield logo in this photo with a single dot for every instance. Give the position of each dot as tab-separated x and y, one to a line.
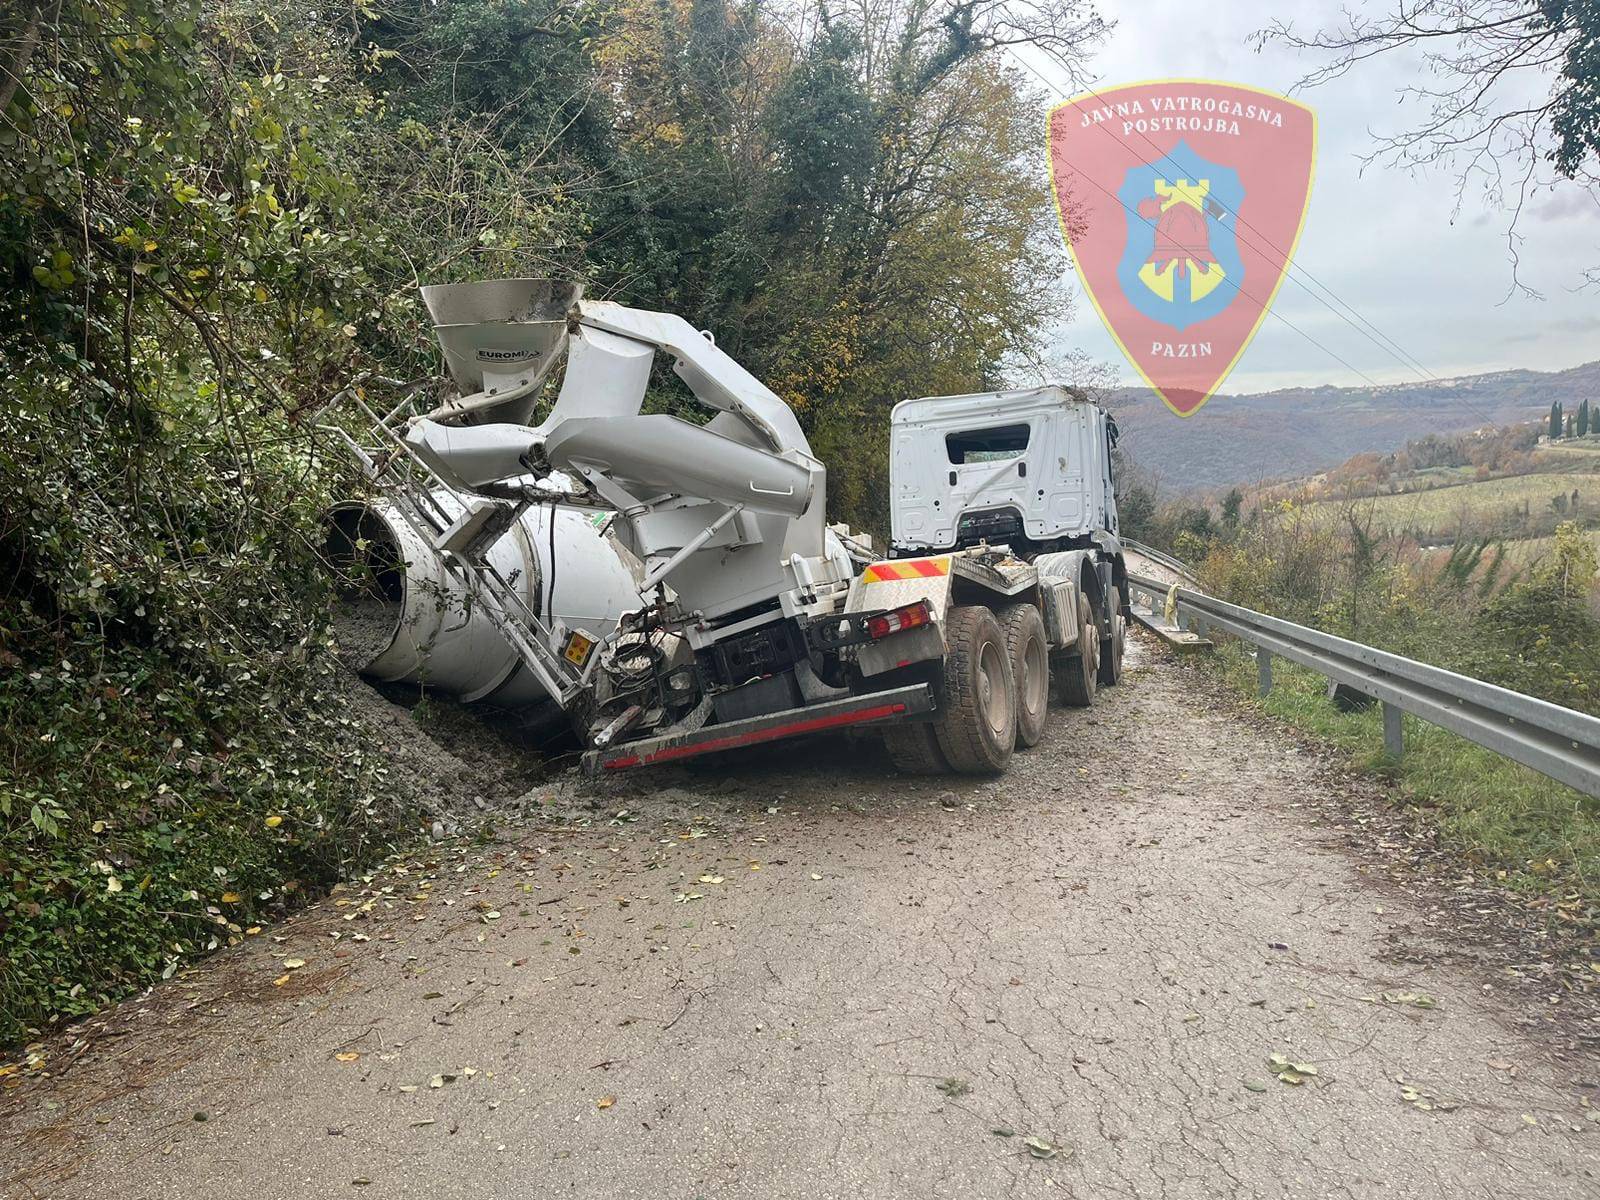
1182	202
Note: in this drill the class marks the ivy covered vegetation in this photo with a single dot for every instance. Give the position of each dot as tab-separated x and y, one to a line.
213	215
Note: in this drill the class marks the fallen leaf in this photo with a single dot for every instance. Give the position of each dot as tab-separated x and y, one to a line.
274	821
814	875
1500	1064
346	1056
1415	999
1254	1085
280	981
294	964
230	897
953	1087
710	879
1288	1071
605	1102
1040	1148
1002	1131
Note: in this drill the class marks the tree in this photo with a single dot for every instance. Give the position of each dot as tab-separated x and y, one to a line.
1555	419
1583	419
1511	98
1231	504
1136	498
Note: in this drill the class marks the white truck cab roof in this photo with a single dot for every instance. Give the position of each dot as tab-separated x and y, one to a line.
1030	468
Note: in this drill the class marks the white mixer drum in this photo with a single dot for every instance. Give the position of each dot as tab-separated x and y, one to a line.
408	619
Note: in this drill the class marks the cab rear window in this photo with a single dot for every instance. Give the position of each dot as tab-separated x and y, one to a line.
994	444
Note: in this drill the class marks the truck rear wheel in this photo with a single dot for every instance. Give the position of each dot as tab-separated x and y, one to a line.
977	723
1030	666
914	749
1075	674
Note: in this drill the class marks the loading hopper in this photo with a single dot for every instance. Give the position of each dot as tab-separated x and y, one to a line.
501	338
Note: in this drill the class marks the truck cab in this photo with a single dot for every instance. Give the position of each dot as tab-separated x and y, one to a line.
1029	469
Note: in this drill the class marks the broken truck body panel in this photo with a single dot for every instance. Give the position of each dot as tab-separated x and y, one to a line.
871	708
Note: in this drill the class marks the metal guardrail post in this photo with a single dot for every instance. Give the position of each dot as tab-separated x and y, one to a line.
1394	733
1264	671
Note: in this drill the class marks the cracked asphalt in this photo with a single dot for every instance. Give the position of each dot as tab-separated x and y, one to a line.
807	976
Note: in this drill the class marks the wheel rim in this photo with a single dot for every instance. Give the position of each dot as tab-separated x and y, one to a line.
1035	681
994	698
1091	651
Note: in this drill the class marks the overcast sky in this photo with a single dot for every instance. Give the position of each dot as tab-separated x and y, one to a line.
1381	239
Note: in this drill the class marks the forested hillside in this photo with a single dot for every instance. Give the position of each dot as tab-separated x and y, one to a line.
215	215
1246	439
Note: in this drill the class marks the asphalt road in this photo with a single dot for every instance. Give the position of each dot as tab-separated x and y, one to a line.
811	977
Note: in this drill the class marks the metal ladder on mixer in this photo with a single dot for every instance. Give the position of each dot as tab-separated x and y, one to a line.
461	543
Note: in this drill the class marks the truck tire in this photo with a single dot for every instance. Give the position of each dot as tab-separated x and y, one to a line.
1075	674
977	722
1030	666
914	749
1111	649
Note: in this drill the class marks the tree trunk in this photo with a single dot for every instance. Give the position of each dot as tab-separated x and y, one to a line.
20	58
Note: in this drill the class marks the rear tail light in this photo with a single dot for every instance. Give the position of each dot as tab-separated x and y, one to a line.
909	617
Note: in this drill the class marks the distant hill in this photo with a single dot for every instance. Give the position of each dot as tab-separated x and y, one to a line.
1300	431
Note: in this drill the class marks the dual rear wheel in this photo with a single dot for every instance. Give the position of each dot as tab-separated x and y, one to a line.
997	680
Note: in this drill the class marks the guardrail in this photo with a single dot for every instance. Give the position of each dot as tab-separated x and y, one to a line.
1556	741
1160	557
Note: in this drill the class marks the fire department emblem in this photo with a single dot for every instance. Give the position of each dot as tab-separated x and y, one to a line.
1182	203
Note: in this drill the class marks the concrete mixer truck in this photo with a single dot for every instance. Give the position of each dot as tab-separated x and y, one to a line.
718	608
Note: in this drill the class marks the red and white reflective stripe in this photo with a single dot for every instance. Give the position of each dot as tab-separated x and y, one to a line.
907	568
755	736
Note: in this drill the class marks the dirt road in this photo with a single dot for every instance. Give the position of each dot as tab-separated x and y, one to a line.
815	978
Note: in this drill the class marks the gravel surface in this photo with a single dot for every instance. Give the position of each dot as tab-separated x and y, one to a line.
807	976
440	757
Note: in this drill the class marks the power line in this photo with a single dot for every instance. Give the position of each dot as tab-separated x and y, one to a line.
1237	287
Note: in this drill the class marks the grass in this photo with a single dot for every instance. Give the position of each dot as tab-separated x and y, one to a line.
1573	447
1442	509
1537	836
